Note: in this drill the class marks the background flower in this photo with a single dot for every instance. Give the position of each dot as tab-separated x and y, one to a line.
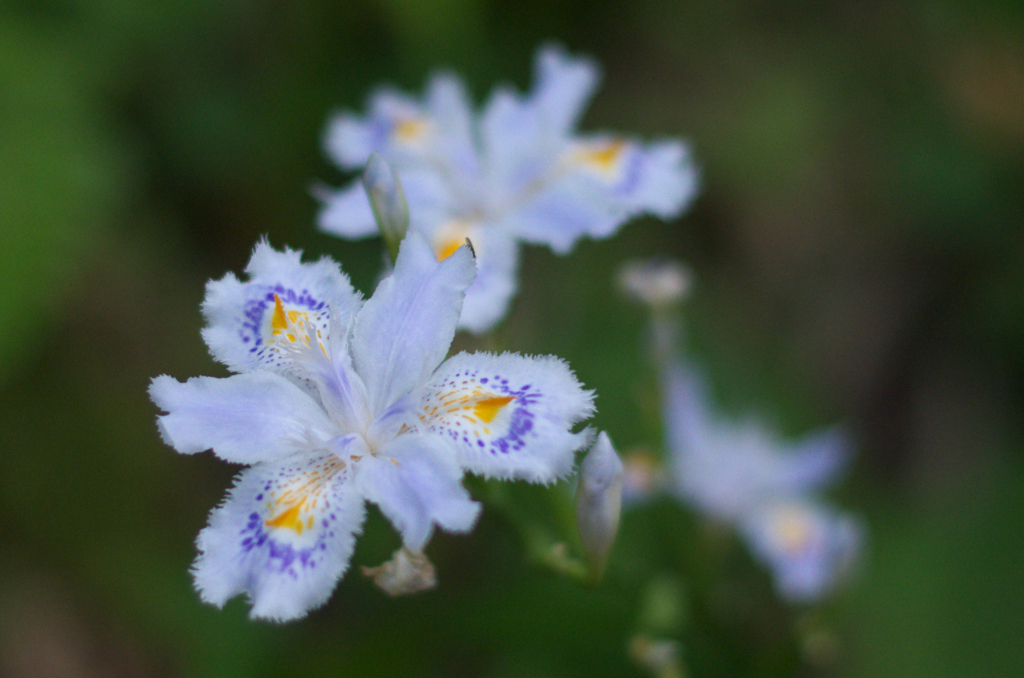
515	172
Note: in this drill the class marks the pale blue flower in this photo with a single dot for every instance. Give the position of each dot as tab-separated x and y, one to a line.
741	473
517	172
337	402
808	546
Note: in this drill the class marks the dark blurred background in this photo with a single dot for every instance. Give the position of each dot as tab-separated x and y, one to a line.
859	253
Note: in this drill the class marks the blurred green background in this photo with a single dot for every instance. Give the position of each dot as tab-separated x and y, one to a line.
859	251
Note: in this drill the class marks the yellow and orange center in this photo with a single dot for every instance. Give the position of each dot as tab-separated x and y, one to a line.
794	530
447	248
410	129
605	156
286	321
476	407
451	236
290	509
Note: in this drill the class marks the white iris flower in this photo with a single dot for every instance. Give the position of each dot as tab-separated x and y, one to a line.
515	173
741	474
336	402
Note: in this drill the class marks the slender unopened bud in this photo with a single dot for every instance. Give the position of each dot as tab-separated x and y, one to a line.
387	199
599	503
407	572
662	285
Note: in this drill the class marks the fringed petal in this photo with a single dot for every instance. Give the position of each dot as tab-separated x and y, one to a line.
253	325
284	536
510	416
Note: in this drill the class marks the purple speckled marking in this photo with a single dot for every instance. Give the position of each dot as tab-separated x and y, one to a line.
521	421
254	309
280	557
283	558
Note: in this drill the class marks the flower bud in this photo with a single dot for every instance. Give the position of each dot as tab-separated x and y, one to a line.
659	283
599	503
662	285
387	199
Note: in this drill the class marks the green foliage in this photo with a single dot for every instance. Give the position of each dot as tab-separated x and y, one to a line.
857	248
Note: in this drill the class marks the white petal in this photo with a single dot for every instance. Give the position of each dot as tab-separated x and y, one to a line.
720	468
689	430
563	213
488	298
240	316
662	181
518	155
409	134
601	184
510	416
346	212
452	117
349	140
341	390
523	137
810	548
284	536
564	87
395	126
246	418
403	332
416	481
429	195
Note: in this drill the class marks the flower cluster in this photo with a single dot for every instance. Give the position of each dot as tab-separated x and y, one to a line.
337	401
515	173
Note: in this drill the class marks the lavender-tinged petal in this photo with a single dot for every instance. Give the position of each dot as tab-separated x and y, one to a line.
815	461
810	548
600	184
403	332
284	536
488	298
246	418
241	330
451	113
564	86
509	416
518	155
415	480
346	212
396	127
